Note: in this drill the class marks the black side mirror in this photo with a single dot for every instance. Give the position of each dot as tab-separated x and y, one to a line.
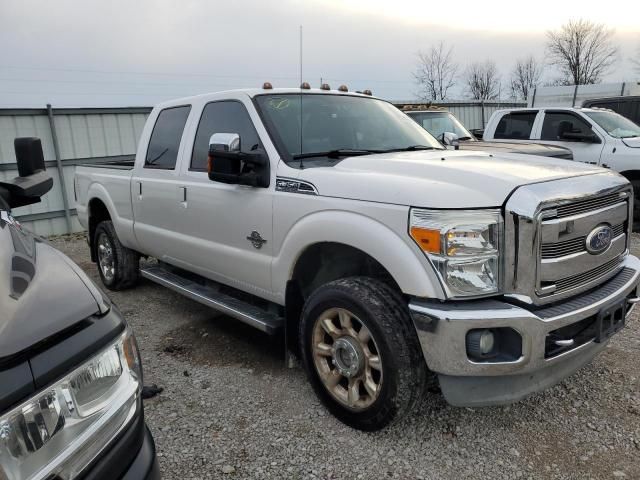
227	164
33	181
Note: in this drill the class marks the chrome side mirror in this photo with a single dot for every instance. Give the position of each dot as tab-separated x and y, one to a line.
451	140
224	142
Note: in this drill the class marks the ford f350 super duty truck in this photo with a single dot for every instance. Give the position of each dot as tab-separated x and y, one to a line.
70	372
384	258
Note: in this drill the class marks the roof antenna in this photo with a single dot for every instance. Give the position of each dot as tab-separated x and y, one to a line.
301	158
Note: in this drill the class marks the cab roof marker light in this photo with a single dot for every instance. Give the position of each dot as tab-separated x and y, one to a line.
267	86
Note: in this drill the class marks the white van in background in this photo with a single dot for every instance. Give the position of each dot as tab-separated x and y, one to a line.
594	135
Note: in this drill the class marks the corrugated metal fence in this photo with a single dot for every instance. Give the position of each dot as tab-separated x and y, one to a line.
90	135
473	115
82	136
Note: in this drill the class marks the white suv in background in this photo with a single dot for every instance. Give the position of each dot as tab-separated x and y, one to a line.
594	135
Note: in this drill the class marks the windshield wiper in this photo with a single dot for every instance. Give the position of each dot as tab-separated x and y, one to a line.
462	139
411	148
342	152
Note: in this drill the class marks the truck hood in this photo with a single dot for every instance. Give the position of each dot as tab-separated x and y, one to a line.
633	142
42	292
514	147
438	179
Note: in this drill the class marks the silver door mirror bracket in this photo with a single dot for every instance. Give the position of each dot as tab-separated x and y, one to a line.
451	140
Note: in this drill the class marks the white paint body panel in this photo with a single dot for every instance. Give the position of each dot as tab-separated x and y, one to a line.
612	153
363	202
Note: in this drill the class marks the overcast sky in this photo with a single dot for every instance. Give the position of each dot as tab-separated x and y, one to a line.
138	52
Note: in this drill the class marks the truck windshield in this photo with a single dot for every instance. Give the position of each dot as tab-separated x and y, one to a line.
335	126
615	124
437	123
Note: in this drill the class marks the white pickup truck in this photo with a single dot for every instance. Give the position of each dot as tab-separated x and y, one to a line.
384	258
595	135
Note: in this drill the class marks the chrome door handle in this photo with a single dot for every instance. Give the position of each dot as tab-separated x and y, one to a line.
183	196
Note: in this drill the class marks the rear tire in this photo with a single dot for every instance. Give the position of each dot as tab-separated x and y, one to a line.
361	352
118	266
636	205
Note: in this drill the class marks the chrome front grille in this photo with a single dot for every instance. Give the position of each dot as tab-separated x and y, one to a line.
575	245
588	276
587	205
546	229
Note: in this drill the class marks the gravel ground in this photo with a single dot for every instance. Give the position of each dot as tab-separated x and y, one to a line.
230	409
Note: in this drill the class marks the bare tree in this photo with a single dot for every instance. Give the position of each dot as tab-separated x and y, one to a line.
583	51
526	75
636	61
483	80
436	72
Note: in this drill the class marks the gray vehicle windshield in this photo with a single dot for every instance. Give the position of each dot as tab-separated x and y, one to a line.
437	123
615	124
335	126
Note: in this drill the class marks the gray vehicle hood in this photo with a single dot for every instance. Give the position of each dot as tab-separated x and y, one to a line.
439	178
514	147
42	292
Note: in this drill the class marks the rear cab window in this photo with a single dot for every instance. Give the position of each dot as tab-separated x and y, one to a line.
162	152
516	125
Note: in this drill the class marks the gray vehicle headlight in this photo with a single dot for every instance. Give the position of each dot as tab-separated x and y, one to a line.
464	247
58	432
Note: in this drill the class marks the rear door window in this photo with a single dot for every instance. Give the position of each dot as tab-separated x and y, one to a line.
556	124
516	125
228	116
164	144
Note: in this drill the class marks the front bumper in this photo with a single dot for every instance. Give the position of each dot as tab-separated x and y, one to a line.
442	330
132	456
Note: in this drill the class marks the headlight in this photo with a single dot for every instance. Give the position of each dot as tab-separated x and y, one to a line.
60	431
463	245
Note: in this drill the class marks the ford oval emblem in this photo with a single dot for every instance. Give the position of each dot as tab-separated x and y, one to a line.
599	239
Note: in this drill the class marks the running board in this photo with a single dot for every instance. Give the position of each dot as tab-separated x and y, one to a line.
245	312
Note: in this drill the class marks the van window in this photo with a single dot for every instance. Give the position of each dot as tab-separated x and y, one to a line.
516	125
227	116
163	147
556	124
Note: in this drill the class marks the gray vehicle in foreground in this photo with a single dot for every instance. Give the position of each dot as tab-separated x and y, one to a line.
70	373
447	128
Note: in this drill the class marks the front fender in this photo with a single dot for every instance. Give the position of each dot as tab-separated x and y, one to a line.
398	255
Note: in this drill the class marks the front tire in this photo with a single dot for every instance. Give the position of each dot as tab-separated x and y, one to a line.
361	352
118	266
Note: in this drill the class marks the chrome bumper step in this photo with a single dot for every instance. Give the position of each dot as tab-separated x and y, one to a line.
253	315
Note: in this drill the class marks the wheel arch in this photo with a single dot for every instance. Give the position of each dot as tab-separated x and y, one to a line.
351	245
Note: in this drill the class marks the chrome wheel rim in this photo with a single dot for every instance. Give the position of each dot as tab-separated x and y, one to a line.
347	359
106	262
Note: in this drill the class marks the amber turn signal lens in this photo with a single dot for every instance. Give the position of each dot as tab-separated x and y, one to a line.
427	239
